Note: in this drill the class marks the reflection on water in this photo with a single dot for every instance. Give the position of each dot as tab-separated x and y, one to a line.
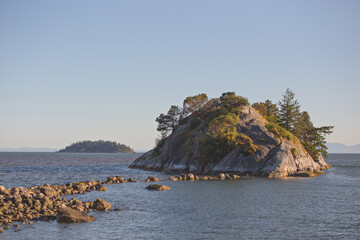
324	207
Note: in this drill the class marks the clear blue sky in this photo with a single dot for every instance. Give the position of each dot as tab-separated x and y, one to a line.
76	70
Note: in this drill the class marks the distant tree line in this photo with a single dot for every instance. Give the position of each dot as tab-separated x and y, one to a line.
97	147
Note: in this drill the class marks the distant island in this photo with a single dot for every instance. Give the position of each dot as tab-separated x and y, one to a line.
97	147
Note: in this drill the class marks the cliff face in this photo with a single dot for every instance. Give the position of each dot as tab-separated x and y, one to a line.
274	158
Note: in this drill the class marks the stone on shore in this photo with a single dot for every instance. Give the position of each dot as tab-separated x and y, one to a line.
69	215
157	187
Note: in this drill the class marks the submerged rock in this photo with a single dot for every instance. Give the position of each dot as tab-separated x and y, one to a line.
157	187
69	215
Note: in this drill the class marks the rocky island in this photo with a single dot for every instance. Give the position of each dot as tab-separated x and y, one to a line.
228	135
97	147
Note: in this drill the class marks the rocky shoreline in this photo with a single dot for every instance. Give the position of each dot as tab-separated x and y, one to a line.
28	205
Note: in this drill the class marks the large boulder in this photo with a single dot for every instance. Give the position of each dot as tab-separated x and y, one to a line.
69	215
49	192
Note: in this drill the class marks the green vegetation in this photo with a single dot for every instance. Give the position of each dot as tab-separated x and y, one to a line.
97	147
233	103
281	132
294	151
290	123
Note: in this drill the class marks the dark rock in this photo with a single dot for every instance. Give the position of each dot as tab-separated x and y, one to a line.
47	218
69	215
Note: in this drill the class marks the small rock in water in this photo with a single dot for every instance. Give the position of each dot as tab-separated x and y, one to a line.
157	187
190	177
172	178
152	179
102	205
117	210
222	176
131	180
1	230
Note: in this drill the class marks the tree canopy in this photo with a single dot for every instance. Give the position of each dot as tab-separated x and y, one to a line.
194	103
168	122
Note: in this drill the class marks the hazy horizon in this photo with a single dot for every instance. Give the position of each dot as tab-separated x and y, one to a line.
90	70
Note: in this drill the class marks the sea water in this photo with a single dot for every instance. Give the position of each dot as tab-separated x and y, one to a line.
323	207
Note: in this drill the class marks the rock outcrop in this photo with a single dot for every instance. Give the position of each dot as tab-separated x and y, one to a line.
275	157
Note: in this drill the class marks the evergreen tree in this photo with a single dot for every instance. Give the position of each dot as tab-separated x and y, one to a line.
267	109
271	111
289	111
168	122
233	103
194	103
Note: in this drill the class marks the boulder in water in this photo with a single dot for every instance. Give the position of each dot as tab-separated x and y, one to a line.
69	215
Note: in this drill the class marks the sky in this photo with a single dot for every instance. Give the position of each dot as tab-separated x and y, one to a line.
90	70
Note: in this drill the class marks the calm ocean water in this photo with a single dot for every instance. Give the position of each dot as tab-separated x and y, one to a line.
324	207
